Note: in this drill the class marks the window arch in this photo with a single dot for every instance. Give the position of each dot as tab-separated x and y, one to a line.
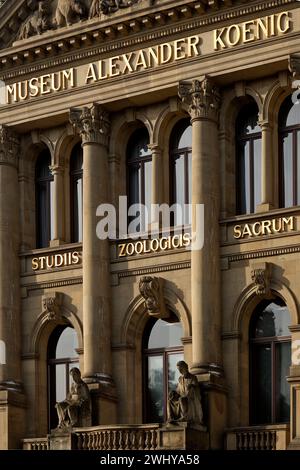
248	159
289	153
181	168
162	349
139	170
44	199
270	357
76	188
62	356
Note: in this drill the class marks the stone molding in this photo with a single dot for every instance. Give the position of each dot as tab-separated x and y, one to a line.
92	124
9	147
262	253
201	97
151	289
261	276
22	60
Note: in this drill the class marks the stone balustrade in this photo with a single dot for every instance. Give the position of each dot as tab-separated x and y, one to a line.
269	437
36	443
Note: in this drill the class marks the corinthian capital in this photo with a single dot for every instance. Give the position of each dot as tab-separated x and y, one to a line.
9	146
92	124
202	98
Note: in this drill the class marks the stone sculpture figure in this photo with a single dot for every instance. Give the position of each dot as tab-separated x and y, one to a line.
75	410
109	6
184	404
67	10
37	22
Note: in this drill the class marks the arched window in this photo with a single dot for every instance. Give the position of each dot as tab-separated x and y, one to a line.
62	356
181	169
248	149
76	175
44	199
139	171
162	350
289	153
270	358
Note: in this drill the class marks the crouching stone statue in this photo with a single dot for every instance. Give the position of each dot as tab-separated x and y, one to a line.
184	404
75	410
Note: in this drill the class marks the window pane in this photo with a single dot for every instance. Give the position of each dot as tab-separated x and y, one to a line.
244	180
148	185
67	344
179	187
173	372
165	335
155	388
293	117
78	207
257	172
60	382
52	202
283	362
288	197
274	320
262	388
186	138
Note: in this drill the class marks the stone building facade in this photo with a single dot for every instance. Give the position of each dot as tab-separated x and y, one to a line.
165	101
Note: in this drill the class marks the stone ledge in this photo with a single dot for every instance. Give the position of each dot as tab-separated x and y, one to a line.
183	437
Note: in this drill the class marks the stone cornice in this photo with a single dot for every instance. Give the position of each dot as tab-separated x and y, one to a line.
87	40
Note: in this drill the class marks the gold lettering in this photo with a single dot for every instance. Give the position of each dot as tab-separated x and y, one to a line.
156	247
288	222
56	77
186	239
246	231
139	247
218	40
248	34
272	25
276	225
34	87
166	53
233	39
11	90
23	86
178	52
163	243
131	246
102	70
153	56
122	249
48	263
127	58
286	22
141	61
146	249
75	257
266	225
91	74
45	85
35	264
237	231
113	66
42	260
68	76
262	26
258	232
192	43
59	261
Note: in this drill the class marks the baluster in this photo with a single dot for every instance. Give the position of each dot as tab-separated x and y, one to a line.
126	436
251	442
114	439
273	446
121	439
134	445
141	440
147	440
153	439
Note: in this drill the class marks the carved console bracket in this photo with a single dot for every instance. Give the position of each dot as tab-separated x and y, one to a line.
151	289
51	305
261	276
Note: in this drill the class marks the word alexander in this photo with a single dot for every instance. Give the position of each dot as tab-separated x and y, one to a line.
155	245
249	31
122	64
56	261
264	227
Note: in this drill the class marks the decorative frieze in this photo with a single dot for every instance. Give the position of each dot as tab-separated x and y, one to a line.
93	124
201	97
9	146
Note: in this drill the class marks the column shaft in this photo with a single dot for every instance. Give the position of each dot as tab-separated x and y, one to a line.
10	322
58	204
266	168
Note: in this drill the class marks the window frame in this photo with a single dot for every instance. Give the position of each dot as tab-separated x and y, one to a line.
75	176
43	183
283	131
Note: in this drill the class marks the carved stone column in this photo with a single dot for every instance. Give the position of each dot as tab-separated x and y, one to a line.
58	204
266	168
202	99
94	126
10	321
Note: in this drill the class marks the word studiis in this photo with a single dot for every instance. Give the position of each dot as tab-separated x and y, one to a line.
56	261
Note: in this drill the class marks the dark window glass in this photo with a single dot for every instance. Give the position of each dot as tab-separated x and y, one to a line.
76	186
62	356
270	359
181	170
248	149
139	172
289	153
162	350
44	199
